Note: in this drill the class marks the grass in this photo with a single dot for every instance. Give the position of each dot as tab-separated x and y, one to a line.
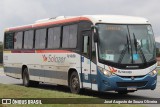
17	91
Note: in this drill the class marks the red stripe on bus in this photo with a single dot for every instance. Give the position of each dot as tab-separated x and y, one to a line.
40	51
49	23
20	27
23	51
60	21
53	51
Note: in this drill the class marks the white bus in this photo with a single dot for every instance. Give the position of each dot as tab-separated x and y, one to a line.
96	52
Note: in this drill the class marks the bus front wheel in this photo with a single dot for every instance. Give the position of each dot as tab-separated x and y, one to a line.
74	83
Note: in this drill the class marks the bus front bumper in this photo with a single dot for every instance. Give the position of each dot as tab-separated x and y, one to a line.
118	83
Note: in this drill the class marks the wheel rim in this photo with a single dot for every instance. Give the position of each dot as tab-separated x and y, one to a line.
75	83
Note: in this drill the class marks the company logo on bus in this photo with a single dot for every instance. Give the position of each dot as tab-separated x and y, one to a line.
113	70
50	58
44	58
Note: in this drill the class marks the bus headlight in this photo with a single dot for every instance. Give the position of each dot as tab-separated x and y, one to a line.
152	73
105	72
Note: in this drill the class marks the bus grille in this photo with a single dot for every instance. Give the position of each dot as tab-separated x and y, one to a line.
131	76
130	84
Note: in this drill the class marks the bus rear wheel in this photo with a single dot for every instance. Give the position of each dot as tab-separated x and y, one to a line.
26	81
74	83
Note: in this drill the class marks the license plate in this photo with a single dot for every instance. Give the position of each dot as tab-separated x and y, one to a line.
131	88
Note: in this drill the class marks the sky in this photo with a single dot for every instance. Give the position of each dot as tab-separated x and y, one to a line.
22	12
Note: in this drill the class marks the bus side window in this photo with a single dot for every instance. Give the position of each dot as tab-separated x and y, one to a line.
40	38
86	45
28	39
54	37
9	41
69	38
18	40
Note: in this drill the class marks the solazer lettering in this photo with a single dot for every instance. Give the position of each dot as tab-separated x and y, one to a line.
51	58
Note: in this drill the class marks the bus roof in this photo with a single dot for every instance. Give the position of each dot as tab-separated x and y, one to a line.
117	19
112	19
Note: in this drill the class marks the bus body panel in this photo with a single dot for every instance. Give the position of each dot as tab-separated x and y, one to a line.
131	72
118	83
48	67
89	74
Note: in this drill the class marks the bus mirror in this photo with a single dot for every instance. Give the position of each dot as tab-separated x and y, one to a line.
96	33
96	37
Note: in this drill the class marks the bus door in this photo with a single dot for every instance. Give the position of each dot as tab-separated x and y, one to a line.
85	60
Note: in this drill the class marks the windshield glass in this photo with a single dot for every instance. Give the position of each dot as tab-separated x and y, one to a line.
126	44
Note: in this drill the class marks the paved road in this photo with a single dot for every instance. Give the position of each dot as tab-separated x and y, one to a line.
8	80
138	94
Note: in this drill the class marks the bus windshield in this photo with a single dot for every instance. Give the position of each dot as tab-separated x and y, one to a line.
126	44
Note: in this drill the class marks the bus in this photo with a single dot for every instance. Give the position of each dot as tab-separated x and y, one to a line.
96	52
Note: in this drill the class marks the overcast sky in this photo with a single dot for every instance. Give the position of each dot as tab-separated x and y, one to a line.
20	12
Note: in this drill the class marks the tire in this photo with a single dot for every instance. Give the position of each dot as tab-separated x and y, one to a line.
26	81
74	83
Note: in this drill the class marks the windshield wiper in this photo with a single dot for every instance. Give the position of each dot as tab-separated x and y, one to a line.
124	51
138	47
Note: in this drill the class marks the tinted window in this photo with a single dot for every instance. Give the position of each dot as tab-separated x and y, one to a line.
69	36
73	36
18	40
54	37
40	39
65	37
86	45
28	39
9	40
